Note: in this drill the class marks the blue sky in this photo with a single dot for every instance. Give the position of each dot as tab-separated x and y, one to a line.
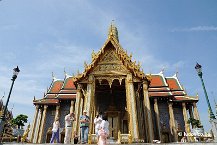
42	37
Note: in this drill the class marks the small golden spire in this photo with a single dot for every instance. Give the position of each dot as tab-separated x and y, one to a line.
113	31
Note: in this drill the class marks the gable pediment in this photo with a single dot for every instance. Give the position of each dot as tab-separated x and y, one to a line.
110	63
111	59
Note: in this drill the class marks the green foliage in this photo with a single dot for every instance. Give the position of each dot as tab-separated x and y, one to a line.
194	122
19	120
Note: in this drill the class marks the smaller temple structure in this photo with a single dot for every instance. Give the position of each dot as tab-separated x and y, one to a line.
147	107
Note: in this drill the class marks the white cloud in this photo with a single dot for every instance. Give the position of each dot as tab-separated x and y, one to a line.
195	29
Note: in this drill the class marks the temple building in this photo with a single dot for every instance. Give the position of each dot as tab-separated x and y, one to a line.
147	107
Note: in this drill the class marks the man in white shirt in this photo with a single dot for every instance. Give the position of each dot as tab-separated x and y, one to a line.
68	127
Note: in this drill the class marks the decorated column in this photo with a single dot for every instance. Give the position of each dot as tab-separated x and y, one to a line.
43	124
39	125
157	117
80	113
34	123
57	113
89	98
77	108
187	127
130	95
90	94
191	112
72	108
196	114
148	117
172	122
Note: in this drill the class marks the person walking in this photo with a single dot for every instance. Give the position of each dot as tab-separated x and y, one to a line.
97	122
84	126
69	118
55	131
104	131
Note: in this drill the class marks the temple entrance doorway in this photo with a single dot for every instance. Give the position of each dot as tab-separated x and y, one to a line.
111	100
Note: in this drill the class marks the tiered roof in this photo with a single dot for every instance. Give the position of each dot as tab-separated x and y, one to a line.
59	90
168	87
112	40
160	86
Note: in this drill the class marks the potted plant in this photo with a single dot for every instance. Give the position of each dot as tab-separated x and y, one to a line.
197	127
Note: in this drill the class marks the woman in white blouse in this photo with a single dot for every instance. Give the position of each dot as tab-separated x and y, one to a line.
105	124
104	131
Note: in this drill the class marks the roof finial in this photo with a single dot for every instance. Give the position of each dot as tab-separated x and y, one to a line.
54	78
113	31
162	70
65	71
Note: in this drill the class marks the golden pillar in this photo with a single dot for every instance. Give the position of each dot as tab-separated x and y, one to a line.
196	114
80	113
130	95
77	109
57	113
72	108
187	127
43	124
34	123
148	116
157	117
173	129
39	125
90	94
90	98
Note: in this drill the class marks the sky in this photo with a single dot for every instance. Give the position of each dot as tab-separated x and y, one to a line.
45	36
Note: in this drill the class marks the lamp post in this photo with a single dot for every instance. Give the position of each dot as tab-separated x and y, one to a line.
200	74
3	118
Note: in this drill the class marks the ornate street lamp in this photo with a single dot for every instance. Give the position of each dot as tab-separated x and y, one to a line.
200	74
3	118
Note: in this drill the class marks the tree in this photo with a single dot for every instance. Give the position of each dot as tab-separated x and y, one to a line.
19	120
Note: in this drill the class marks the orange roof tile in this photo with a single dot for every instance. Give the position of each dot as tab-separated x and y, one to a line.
56	86
69	84
173	84
157	80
